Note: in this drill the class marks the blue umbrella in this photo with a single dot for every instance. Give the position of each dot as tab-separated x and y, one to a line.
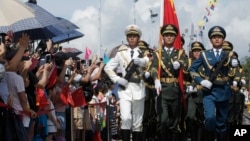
44	17
60	27
65	25
30	26
38	27
73	34
69	31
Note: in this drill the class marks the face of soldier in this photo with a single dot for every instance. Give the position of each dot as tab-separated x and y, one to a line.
133	40
217	41
196	53
168	39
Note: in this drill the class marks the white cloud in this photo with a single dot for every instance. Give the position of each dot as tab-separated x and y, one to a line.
117	14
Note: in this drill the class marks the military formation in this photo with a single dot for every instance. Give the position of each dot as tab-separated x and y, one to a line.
166	94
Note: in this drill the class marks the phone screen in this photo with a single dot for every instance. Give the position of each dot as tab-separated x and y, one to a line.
42	61
48	58
78	65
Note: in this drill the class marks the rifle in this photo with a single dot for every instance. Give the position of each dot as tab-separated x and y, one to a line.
240	84
216	71
131	68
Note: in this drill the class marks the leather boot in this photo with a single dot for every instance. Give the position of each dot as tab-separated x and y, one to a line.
145	133
210	135
175	136
222	137
201	134
193	133
137	136
125	135
191	126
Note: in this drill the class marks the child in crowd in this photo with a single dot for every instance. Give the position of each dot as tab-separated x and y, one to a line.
52	122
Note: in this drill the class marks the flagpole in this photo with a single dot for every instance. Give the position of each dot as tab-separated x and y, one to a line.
100	29
160	40
134	11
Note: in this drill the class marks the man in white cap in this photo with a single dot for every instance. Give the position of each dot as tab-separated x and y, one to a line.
131	92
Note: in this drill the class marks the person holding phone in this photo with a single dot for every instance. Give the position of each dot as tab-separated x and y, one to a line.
2	46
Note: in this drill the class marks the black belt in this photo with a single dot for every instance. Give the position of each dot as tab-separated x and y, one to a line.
134	80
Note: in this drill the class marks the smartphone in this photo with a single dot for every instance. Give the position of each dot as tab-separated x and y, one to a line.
48	58
78	65
42	61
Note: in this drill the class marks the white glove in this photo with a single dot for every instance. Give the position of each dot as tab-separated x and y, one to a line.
189	89
206	83
241	90
139	62
146	74
176	65
243	81
158	86
234	63
195	90
235	83
122	82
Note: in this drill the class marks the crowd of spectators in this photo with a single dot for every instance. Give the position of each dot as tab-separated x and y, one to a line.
36	84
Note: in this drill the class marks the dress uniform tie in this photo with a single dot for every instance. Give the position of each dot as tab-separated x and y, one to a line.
217	55
168	52
132	53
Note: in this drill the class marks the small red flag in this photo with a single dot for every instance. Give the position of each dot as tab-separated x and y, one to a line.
64	94
52	77
41	100
97	136
78	97
70	100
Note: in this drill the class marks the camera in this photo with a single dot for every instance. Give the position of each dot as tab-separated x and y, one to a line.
78	65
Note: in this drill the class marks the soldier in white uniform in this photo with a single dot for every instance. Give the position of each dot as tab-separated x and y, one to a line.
131	92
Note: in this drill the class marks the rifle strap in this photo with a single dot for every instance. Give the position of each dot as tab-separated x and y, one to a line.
163	66
205	58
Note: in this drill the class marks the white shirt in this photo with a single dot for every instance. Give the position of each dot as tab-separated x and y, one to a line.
16	85
215	51
136	52
4	91
170	49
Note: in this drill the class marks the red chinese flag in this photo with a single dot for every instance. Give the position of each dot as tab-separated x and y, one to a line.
64	94
41	99
70	100
52	77
78	97
170	17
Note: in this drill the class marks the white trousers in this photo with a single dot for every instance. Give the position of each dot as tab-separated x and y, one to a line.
132	114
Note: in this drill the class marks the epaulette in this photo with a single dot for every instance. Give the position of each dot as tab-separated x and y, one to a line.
180	52
122	48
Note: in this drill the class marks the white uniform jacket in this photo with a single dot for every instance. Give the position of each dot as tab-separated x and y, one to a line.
134	91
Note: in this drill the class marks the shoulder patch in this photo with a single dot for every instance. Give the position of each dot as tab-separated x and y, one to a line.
122	48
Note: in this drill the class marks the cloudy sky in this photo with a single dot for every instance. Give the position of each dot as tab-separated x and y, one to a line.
117	14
